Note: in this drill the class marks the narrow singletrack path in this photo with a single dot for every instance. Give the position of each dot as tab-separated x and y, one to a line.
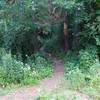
47	84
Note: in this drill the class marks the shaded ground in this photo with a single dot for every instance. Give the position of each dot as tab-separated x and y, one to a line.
48	84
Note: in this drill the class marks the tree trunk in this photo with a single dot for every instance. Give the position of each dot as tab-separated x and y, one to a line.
66	46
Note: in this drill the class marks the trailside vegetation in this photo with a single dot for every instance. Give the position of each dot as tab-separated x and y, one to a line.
30	30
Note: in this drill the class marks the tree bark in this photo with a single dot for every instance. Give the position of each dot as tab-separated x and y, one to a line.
66	45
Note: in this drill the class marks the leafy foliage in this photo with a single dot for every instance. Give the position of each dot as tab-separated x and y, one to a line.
87	58
28	25
13	71
83	70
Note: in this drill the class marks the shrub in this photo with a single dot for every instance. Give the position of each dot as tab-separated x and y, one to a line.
70	61
95	69
30	76
95	83
76	78
95	77
2	75
87	58
43	66
72	71
37	68
83	71
13	71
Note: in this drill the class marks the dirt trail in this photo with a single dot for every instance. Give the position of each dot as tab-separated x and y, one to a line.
48	83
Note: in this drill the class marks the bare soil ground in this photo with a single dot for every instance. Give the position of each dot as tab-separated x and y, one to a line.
48	84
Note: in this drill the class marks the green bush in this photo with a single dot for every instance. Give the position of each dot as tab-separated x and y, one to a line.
13	71
30	76
95	83
39	68
2	75
83	70
76	78
72	71
42	65
95	77
87	58
70	61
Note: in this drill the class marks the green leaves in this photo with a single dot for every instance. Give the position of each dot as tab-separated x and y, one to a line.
13	71
97	38
68	4
82	70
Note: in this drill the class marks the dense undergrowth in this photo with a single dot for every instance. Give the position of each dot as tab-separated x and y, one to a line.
83	70
14	71
26	26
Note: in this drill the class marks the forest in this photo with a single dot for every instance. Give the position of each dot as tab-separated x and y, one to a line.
49	49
